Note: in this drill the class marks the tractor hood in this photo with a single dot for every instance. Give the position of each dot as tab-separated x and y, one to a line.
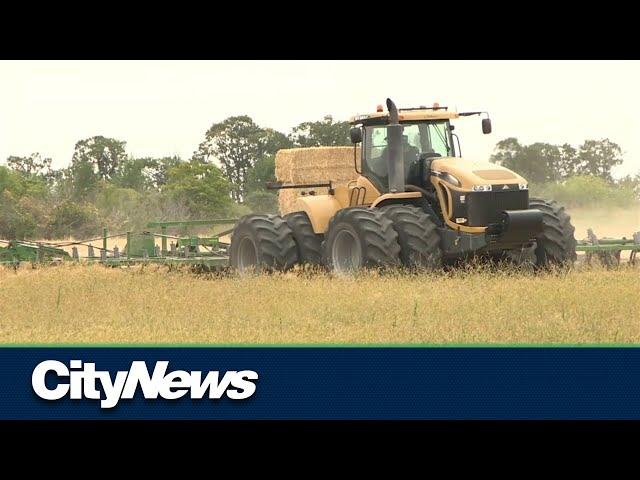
471	172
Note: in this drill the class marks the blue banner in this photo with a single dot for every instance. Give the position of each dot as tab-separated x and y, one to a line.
319	383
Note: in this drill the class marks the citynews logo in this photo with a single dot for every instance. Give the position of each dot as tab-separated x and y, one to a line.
81	380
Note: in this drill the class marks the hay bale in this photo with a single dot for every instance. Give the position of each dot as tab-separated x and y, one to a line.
313	165
286	201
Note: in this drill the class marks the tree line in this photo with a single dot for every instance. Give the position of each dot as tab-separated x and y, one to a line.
106	186
575	176
543	162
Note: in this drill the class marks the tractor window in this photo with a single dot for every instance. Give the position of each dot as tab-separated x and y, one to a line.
418	138
439	138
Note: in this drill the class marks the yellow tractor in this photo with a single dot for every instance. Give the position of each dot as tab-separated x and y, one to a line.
415	203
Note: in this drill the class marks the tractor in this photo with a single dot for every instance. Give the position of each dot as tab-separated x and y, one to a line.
414	203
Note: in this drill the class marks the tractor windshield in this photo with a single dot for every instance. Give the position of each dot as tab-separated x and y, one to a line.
432	138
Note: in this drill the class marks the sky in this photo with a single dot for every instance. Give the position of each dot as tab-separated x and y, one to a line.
165	107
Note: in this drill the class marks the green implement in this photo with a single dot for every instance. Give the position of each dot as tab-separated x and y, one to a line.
18	251
140	245
194	241
185	224
608	250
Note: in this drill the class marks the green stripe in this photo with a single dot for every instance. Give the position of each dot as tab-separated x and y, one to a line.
320	345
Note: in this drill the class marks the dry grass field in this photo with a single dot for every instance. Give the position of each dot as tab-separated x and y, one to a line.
94	304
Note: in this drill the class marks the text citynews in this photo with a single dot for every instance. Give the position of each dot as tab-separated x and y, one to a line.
81	380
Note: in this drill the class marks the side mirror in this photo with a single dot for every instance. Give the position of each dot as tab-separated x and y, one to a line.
356	134
486	125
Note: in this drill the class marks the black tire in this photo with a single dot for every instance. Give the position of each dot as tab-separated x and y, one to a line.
262	243
308	242
417	235
556	244
366	231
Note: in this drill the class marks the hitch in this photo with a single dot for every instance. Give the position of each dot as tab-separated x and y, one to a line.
281	186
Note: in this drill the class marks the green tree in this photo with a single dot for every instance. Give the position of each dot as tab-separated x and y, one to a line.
60	183
21	184
130	174
102	153
272	141
262	172
542	162
530	161
258	198
237	143
201	187
631	182
144	174
323	133
598	157
538	162
568	161
94	159
15	223
158	170
71	218
10	181
22	217
82	179
34	164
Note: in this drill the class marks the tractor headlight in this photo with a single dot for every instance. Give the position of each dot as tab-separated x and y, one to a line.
523	186
447	177
482	188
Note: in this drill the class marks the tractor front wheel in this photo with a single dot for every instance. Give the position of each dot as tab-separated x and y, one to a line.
555	245
308	242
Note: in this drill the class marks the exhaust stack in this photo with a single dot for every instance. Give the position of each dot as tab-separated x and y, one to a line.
396	150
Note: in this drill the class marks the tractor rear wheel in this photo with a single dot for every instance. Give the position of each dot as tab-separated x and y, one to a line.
262	243
417	235
308	242
555	244
359	238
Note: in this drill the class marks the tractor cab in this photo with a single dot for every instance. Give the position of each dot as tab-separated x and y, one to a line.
426	134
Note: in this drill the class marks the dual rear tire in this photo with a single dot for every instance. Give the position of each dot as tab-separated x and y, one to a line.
357	238
392	236
360	238
262	243
308	242
268	243
417	236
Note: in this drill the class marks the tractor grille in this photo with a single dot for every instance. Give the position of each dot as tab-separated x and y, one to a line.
485	207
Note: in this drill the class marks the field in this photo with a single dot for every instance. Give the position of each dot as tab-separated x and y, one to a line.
76	304
94	304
